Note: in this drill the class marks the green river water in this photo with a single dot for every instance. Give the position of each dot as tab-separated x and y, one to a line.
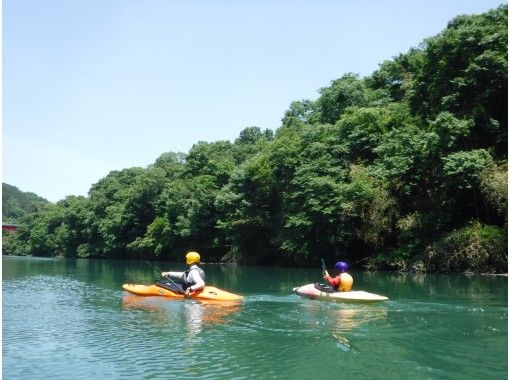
70	319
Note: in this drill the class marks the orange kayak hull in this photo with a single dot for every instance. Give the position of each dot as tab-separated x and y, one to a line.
207	293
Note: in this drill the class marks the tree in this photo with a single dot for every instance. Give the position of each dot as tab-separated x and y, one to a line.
397	76
465	72
494	188
303	111
348	91
16	204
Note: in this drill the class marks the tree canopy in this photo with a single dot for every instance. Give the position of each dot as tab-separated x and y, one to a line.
404	169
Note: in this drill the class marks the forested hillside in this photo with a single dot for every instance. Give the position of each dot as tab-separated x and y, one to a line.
405	169
16	203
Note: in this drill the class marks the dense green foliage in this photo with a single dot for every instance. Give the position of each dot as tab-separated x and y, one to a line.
406	167
16	203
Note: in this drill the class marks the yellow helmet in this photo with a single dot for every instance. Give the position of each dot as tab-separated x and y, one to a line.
192	257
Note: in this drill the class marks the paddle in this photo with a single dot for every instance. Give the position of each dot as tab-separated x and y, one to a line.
177	287
324	287
323	266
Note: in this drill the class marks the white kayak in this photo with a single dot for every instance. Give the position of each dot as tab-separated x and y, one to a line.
357	296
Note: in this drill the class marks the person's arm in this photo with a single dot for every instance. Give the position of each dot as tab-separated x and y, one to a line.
175	275
334	281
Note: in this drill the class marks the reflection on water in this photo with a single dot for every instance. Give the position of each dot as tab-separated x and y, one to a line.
445	286
71	319
197	314
342	320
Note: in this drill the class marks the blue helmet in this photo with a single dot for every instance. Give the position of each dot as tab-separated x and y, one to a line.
341	266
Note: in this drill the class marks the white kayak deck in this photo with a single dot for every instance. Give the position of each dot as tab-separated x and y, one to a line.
309	291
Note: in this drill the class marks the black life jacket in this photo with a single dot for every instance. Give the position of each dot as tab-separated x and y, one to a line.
185	276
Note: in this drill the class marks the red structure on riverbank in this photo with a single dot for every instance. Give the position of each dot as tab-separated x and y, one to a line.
9	227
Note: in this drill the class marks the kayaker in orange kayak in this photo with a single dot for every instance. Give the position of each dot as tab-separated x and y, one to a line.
343	281
192	279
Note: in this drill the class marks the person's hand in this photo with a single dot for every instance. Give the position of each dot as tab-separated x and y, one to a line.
164	274
326	275
187	292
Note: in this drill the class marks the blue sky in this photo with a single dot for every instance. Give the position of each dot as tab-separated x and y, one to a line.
91	86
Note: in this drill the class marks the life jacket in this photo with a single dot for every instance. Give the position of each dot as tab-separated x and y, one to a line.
345	282
185	276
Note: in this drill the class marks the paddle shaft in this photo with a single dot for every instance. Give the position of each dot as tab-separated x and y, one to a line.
356	262
323	266
161	274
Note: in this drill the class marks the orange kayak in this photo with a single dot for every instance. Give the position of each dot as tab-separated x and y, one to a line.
207	293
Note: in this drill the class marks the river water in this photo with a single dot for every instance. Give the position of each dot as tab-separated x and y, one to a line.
70	319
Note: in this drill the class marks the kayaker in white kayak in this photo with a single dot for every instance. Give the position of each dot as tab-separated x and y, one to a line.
343	281
192	279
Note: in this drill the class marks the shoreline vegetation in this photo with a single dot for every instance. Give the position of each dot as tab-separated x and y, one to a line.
230	264
404	170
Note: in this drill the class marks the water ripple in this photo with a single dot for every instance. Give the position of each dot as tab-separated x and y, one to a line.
63	327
